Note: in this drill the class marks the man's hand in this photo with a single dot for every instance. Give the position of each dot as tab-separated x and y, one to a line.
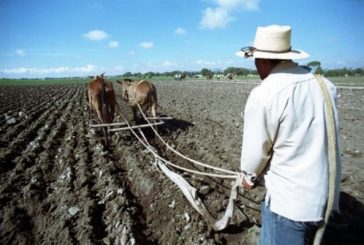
247	185
248	181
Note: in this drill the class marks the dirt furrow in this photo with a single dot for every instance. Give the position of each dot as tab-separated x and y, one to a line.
27	139
159	197
15	124
23	102
118	217
87	225
21	113
61	175
31	184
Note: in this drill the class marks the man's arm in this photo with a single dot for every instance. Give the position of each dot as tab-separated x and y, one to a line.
257	144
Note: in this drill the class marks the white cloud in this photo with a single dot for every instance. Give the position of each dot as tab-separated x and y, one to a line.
51	71
205	63
251	5
147	66
147	45
223	13
20	52
180	31
215	18
118	68
20	70
113	44
340	63
96	35
229	4
168	64
87	68
239	4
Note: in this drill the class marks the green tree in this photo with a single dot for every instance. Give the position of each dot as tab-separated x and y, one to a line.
207	73
315	66
238	71
127	74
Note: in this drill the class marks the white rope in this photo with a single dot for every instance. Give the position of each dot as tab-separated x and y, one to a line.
149	148
331	133
189	191
180	154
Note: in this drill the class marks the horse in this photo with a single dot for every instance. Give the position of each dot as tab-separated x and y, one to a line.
101	99
140	92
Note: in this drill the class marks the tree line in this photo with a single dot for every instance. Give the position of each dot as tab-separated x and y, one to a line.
205	72
313	66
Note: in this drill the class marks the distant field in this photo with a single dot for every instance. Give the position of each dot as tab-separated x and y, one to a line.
350	81
48	81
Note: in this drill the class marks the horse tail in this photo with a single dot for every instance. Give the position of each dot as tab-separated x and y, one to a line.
104	109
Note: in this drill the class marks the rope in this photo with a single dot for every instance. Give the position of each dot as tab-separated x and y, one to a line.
183	156
190	192
192	197
331	132
149	148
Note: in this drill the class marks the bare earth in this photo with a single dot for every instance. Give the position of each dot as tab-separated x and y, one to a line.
60	185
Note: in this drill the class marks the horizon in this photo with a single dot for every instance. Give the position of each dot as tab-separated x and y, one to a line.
164	74
65	38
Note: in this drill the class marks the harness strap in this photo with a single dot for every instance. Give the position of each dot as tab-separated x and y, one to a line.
140	82
332	146
192	197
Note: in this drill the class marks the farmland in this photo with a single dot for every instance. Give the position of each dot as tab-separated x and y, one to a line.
59	184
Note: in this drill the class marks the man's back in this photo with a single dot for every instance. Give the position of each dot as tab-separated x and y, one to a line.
294	136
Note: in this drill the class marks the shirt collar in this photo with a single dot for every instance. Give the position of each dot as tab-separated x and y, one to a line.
283	65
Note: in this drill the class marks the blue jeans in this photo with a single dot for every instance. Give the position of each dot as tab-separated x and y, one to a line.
278	230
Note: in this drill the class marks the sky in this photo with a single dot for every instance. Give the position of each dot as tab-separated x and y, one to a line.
61	38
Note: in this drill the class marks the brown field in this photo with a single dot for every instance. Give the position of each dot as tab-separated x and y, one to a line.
59	185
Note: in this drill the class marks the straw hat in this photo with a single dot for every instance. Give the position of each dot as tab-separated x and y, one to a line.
272	42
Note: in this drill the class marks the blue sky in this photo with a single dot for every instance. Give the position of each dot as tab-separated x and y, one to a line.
57	38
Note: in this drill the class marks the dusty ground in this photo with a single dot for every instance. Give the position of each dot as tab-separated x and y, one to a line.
59	185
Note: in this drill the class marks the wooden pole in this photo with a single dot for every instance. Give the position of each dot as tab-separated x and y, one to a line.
123	123
161	118
107	125
136	126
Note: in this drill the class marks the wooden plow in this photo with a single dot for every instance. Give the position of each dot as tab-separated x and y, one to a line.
116	127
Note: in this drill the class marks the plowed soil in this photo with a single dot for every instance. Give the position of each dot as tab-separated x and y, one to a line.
60	185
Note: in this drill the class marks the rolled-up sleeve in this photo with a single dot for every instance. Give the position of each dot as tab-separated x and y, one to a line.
257	145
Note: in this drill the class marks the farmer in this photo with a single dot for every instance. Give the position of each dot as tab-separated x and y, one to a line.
285	138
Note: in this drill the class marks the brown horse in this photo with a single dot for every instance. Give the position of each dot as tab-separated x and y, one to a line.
101	99
140	92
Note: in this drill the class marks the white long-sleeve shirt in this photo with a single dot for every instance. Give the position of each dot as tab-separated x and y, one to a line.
285	126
